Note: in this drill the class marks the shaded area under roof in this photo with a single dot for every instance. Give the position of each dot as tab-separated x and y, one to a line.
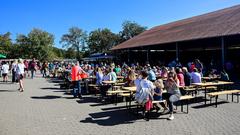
97	56
215	24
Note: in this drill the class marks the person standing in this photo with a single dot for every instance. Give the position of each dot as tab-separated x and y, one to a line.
32	66
14	68
20	74
0	68
5	70
26	68
75	75
44	69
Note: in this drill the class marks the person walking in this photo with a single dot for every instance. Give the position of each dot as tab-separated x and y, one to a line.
14	68
5	70
20	74
32	66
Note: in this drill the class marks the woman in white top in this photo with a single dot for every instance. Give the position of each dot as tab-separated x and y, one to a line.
20	73
5	70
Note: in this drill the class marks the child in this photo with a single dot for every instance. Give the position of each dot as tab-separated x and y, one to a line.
158	94
158	90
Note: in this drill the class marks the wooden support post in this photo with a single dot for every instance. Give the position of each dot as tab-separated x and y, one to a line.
223	52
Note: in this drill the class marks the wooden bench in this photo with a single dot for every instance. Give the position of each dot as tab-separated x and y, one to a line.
119	84
158	101
120	92
211	88
128	95
226	92
94	87
115	93
140	107
185	98
190	90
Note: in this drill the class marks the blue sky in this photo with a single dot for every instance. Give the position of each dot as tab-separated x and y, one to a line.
57	16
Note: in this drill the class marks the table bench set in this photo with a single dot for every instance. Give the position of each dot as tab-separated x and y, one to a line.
211	90
118	89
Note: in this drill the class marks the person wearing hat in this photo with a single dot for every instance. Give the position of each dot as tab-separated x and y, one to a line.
20	74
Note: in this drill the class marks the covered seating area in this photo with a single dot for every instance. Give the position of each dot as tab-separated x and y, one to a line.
212	36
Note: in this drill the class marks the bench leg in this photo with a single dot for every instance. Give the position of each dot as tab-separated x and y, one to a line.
210	100
205	94
187	106
181	106
227	96
238	97
137	110
232	97
126	102
216	101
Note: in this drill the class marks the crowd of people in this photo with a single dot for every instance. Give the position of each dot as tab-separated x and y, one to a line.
150	81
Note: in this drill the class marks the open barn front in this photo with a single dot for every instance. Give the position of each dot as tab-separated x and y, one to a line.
215	52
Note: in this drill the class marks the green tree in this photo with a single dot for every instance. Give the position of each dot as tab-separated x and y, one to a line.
75	39
70	53
5	43
15	52
101	40
130	29
59	53
24	46
37	43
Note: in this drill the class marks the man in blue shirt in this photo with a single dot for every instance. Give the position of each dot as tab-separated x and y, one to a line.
151	74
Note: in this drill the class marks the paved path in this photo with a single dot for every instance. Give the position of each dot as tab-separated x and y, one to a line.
44	109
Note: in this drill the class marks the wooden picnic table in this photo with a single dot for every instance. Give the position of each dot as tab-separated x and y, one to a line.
208	78
109	83
212	83
207	84
120	77
131	89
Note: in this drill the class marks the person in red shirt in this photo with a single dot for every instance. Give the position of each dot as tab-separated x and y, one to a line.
26	68
180	76
75	75
192	66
